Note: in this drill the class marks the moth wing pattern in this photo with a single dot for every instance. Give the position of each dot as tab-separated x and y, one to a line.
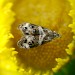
28	29
34	35
28	41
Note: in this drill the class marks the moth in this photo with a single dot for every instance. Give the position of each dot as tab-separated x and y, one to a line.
34	35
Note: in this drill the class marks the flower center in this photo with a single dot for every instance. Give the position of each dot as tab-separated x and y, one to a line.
50	14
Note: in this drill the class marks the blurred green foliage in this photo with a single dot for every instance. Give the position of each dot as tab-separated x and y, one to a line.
68	69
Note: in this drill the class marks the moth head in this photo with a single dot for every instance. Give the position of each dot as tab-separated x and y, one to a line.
28	28
24	28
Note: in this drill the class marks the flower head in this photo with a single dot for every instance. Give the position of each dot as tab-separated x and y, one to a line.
45	58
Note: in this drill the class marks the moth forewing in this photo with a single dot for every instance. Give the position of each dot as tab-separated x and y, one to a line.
34	35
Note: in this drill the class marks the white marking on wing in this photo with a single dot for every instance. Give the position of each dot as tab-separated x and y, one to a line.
42	35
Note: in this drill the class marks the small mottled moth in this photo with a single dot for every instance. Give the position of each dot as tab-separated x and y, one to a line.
34	35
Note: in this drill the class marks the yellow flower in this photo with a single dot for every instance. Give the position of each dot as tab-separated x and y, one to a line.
42	60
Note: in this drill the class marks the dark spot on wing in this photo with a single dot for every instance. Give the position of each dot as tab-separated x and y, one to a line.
25	40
